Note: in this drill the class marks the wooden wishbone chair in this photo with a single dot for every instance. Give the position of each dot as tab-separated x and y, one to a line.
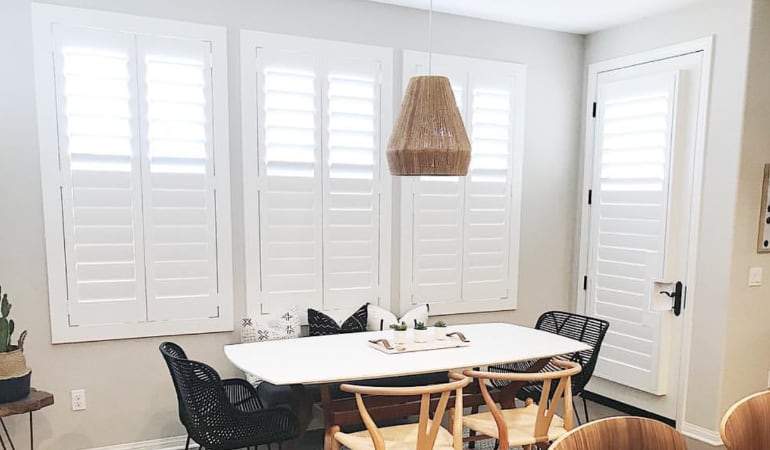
427	434
622	433
533	425
746	425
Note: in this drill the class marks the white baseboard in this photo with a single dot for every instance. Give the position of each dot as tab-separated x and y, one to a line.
702	434
172	443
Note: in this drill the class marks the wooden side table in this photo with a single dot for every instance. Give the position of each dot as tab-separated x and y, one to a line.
34	401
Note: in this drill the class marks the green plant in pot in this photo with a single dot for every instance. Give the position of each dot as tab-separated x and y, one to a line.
440	328
421	332
399	332
14	373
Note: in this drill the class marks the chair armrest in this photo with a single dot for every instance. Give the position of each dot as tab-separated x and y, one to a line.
242	395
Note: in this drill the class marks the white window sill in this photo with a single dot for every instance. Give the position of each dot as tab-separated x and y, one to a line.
63	333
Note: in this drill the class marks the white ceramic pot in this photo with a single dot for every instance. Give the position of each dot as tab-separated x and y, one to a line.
399	337
421	335
440	333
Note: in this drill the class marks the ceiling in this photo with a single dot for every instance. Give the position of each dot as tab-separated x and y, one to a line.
575	16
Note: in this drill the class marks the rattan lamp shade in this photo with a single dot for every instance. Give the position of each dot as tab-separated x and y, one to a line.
429	137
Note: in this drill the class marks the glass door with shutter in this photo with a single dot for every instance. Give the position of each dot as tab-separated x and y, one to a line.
641	194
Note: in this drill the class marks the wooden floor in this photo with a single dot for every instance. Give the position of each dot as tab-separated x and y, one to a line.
314	439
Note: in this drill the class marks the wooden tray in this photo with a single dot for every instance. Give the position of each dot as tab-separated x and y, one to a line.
450	342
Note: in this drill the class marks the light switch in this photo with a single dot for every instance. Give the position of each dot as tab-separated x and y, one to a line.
755	276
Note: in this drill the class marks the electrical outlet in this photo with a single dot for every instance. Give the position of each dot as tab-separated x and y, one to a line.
78	399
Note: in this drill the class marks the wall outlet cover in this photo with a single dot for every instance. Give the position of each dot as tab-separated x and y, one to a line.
755	276
78	399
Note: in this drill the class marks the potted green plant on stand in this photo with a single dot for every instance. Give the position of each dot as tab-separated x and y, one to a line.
440	329
420	332
14	373
399	332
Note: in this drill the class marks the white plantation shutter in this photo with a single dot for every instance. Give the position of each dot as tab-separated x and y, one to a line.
314	176
352	181
438	205
458	230
438	210
290	197
134	232
488	215
629	224
179	198
100	186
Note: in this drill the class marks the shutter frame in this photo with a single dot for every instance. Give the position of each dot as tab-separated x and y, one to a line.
254	45
64	325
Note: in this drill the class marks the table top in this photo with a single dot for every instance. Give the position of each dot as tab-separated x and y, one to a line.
34	401
348	357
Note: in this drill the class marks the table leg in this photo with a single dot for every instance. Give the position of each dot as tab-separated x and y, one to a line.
326	405
31	433
303	409
508	393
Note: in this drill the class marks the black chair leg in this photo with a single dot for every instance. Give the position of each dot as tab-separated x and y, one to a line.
585	409
187	444
577	415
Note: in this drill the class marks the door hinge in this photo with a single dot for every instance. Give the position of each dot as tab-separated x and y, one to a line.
593	113
585	282
590	196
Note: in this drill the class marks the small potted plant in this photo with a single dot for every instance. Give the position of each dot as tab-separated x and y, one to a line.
420	332
399	332
14	373
440	329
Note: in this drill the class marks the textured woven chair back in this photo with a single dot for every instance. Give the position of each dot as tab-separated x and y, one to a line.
428	427
622	433
588	330
746	424
202	400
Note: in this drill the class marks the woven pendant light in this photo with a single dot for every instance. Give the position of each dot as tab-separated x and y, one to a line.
429	137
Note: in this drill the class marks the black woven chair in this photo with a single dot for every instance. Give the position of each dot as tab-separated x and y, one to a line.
588	330
223	414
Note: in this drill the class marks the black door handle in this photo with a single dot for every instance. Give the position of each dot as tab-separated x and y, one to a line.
677	297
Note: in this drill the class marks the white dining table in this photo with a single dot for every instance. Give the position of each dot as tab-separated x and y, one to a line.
323	360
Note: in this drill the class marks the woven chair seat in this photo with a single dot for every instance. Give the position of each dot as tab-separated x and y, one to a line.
399	437
520	423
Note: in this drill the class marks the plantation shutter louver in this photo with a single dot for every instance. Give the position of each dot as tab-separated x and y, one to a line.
137	219
100	183
460	228
314	185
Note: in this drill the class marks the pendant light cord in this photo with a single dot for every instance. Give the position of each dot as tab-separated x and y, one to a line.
430	38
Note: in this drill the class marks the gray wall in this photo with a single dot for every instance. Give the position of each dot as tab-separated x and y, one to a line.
129	393
728	21
747	361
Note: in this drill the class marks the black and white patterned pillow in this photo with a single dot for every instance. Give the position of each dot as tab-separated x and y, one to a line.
322	325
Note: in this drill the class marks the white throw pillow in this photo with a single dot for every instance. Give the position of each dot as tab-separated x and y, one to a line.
270	327
381	319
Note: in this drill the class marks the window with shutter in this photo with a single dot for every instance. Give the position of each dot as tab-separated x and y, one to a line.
460	234
137	222
316	196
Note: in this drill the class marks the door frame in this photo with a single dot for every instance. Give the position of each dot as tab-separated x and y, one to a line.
704	45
